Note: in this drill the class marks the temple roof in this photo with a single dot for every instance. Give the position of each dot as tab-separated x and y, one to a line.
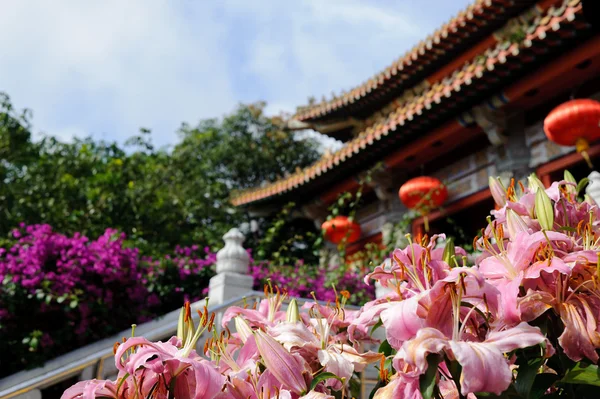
534	37
480	19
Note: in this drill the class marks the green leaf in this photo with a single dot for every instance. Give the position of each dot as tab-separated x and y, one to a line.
376	326
541	384
427	381
455	371
528	369
582	374
385	348
581	185
323	377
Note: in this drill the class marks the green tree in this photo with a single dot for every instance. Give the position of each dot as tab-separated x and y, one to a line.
158	197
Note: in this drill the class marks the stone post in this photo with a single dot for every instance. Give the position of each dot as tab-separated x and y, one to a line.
232	279
593	189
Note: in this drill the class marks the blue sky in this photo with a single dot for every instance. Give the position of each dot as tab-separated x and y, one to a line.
106	68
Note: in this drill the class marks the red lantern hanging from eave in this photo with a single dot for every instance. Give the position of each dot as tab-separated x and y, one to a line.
574	123
341	227
423	194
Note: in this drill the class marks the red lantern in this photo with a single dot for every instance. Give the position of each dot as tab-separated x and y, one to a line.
423	194
576	122
341	227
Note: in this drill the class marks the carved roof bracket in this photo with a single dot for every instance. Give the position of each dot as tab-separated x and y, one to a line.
493	123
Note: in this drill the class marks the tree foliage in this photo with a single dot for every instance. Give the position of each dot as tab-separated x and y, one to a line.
159	197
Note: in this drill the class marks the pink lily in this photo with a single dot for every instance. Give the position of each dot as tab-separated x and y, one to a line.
576	300
289	370
157	363
91	389
317	345
413	269
479	360
512	265
403	385
268	312
317	395
458	333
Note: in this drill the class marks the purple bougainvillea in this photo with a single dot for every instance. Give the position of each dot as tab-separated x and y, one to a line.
59	292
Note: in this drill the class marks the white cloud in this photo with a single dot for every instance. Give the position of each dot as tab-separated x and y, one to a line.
114	65
326	46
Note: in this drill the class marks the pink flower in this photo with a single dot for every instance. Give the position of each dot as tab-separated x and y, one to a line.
91	389
512	265
289	370
479	360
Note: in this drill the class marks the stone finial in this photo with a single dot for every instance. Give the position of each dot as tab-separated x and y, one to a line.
593	189
232	279
233	257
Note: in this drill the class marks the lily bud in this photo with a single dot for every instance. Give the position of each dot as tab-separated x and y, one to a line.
181	325
498	191
293	313
515	223
544	210
243	328
185	324
534	183
282	364
449	251
571	179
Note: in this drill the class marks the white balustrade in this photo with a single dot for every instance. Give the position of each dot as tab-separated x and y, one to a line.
593	189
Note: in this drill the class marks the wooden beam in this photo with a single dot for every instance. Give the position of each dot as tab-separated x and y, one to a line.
350	185
555	72
436	143
544	171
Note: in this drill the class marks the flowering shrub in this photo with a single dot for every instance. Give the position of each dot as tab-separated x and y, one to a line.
302	281
181	276
61	292
523	322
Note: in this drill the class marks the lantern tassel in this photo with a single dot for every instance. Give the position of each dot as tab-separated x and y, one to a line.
424	213
582	146
586	156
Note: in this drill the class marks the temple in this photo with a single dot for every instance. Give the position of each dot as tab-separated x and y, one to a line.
466	103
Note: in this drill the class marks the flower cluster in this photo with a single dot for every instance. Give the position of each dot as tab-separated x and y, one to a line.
59	292
273	354
522	322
